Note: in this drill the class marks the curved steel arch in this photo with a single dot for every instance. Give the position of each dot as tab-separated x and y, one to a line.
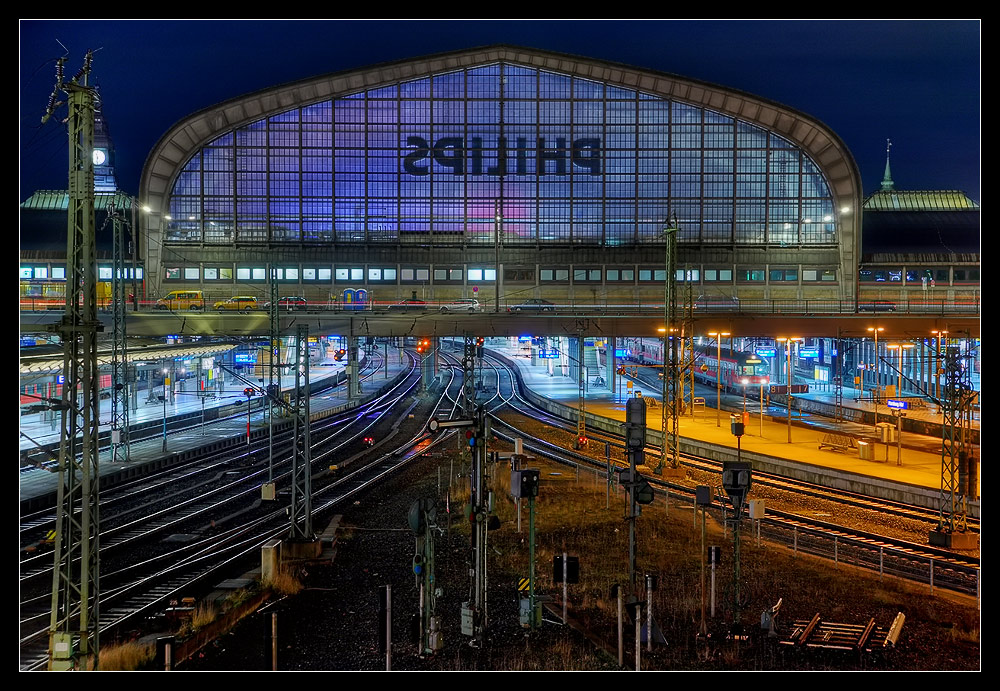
822	144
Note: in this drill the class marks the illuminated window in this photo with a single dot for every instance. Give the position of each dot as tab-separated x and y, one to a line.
597	166
26	272
191	273
59	272
211	273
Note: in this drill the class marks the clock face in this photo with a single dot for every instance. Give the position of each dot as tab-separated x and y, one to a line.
99	157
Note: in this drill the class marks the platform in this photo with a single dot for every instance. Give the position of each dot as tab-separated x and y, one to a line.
37	482
919	456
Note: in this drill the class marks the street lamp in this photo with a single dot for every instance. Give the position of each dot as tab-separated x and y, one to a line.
718	372
875	330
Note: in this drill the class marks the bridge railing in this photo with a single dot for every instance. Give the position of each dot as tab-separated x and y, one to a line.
789	306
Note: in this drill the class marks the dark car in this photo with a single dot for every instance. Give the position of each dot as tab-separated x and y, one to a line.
409	304
536	304
290	303
877	306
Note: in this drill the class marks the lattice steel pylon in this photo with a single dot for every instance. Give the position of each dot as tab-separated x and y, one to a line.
119	349
671	403
301	508
273	363
75	576
958	463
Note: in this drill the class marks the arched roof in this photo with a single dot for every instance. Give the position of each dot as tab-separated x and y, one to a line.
174	149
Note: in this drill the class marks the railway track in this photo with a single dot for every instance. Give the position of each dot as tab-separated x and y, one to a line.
903	558
135	586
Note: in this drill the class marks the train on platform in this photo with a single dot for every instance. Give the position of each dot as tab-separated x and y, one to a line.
736	365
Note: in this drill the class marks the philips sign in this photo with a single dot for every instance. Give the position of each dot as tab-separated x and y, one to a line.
467	157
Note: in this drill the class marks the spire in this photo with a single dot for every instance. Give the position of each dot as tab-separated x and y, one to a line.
887	183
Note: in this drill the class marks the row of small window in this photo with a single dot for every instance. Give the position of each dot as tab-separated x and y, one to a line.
44	272
355	274
922	275
372	274
581	275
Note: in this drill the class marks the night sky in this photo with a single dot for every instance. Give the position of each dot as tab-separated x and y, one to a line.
915	82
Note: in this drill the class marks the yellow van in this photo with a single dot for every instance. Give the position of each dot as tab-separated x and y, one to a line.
182	300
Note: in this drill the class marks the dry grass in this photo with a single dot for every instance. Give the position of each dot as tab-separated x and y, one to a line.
203	615
125	657
573	515
284	583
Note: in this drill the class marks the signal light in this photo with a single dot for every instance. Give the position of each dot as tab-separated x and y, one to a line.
248	392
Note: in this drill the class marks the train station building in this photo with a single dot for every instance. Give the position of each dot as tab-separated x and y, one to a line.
502	170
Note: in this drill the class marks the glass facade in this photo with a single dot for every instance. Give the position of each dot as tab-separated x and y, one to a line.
561	160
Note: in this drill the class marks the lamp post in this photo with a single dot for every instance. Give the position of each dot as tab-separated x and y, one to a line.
875	330
718	373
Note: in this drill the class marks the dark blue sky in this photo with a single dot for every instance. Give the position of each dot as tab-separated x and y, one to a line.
916	82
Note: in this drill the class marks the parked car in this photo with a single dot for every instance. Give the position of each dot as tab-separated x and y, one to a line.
410	304
877	306
462	305
181	300
238	303
536	304
292	302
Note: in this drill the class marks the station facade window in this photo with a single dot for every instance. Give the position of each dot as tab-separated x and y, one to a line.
519	274
584	163
787	275
586	275
751	275
713	275
414	275
479	275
